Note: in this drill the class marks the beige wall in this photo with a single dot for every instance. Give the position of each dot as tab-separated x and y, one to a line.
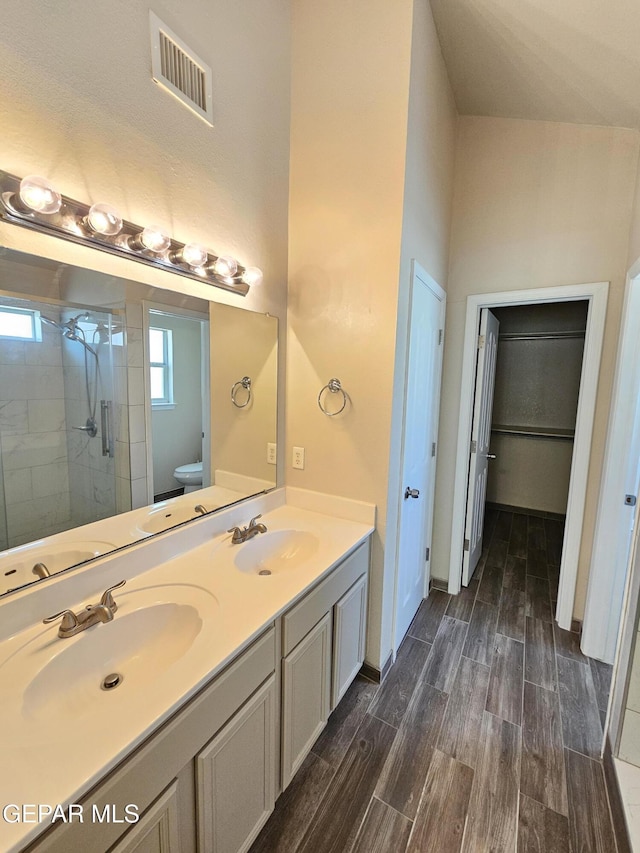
350	225
634	234
243	343
79	106
536	204
426	229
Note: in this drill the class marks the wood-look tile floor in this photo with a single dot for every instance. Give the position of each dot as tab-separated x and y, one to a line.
484	737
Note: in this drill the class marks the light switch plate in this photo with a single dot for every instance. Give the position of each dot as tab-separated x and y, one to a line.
272	453
298	457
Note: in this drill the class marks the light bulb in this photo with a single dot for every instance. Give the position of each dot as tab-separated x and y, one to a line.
104	219
252	276
155	239
194	255
225	266
38	194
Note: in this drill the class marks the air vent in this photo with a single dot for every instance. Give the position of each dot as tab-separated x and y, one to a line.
179	70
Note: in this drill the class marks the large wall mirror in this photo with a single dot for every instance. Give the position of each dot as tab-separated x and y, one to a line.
117	397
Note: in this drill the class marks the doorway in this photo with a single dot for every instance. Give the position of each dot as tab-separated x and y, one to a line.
595	296
177	400
530	363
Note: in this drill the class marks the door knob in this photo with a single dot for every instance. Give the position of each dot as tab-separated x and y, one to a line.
490	455
411	493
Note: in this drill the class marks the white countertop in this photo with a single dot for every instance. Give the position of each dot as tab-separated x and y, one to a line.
235	608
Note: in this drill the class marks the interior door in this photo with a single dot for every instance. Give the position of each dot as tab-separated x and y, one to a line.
480	440
422	398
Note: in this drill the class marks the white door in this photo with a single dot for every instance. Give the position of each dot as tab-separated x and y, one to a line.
619	492
422	401
480	440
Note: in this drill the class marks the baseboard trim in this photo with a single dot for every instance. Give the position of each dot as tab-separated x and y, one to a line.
374	674
540	513
616	805
436	583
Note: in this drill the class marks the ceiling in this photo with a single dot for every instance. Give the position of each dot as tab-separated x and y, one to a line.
554	60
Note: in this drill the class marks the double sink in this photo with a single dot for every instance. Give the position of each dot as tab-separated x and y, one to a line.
156	627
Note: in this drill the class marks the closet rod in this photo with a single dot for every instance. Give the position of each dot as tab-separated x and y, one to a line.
539	336
534	432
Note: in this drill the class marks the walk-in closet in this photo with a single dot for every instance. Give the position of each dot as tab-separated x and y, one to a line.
539	362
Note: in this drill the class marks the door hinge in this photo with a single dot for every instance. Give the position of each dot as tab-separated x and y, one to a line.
433	448
630	500
474	446
466	544
427	554
440	332
480	341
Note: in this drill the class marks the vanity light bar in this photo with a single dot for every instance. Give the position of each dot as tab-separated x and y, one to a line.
34	203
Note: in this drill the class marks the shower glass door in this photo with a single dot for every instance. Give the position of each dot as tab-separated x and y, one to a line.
56	433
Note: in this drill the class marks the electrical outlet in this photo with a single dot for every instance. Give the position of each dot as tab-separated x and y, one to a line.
298	457
272	453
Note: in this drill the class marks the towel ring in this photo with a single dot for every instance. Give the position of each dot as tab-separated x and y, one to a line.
245	383
334	387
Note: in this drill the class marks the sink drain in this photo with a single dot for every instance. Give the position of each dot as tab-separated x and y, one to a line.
109	682
264	572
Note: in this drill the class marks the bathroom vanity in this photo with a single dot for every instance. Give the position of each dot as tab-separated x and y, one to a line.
250	647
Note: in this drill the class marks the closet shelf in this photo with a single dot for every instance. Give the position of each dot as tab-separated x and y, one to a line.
540	336
533	431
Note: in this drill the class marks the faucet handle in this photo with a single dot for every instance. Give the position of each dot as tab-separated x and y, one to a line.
107	598
69	620
252	523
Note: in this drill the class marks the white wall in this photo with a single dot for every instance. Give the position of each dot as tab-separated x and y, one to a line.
356	129
535	204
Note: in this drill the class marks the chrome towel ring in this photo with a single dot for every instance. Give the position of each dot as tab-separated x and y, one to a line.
245	383
334	387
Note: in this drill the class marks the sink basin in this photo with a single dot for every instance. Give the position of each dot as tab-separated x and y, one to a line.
164	517
153	629
275	552
16	567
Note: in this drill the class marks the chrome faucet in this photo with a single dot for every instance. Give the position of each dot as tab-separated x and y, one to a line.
242	534
201	510
73	623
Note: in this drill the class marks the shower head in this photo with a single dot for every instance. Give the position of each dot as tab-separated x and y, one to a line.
69	330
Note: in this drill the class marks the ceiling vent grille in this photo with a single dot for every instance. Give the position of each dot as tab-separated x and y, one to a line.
180	70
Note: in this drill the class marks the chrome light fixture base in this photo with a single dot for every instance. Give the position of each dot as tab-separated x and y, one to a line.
69	224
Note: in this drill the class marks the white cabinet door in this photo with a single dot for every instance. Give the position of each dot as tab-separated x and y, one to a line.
349	626
306	685
235	777
157	829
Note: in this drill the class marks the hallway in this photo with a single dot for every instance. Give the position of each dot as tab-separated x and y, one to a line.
485	733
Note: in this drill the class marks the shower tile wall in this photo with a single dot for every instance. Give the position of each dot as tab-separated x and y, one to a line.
33	442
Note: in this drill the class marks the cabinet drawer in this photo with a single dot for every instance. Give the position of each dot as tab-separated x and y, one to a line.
308	612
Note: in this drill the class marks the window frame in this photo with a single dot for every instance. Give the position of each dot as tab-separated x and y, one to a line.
36	324
167	401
